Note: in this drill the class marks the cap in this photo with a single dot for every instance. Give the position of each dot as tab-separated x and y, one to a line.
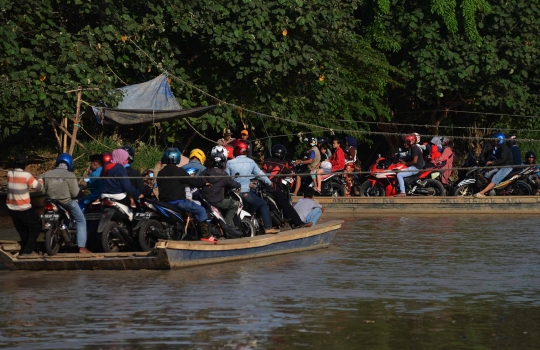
244	132
19	158
227	132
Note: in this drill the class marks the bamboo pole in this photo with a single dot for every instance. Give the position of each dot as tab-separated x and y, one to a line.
66	132
64	137
77	121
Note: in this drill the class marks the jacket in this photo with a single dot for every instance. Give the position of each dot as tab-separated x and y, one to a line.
138	183
117	186
505	156
215	193
61	184
175	189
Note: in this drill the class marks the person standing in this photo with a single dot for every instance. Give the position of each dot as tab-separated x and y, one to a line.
25	219
61	184
309	210
227	138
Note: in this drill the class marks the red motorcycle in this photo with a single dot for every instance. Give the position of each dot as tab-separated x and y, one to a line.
382	181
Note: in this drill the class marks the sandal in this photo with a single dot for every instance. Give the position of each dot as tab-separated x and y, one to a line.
477	195
211	239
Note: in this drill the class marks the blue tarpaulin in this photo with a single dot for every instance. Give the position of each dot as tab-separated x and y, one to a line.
152	101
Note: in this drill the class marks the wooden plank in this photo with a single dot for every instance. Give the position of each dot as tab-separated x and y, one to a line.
252	242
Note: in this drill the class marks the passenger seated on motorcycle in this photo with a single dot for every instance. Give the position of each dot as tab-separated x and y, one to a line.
415	164
530	158
338	157
445	160
433	151
218	179
277	165
196	161
136	179
312	162
173	190
324	168
61	184
323	142
504	158
116	185
241	168
351	147
94	183
514	148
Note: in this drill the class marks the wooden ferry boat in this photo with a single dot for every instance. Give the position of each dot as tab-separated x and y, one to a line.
175	254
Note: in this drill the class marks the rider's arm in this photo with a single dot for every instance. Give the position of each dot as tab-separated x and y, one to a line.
260	175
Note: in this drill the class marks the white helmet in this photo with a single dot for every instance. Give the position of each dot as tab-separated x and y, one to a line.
219	150
417	137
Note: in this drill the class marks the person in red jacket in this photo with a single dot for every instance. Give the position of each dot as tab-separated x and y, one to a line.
338	156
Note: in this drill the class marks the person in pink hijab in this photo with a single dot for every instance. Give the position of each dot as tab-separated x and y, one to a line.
116	185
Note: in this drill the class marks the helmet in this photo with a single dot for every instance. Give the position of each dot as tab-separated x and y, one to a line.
499	138
219	150
241	148
192	171
417	135
511	140
311	140
530	154
106	156
230	151
197	153
130	151
65	158
409	139
279	151
322	140
171	156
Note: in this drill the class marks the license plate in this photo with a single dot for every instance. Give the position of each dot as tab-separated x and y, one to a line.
50	216
141	216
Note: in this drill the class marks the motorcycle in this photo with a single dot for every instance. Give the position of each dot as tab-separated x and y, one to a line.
514	184
115	226
276	214
382	180
332	185
60	228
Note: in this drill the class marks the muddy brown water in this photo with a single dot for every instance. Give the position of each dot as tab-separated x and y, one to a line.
392	282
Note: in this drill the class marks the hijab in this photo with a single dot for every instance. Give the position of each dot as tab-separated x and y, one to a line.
120	156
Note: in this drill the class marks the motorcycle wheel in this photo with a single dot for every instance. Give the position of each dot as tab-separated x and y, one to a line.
52	242
337	190
368	190
108	240
248	229
146	240
464	191
521	188
434	187
189	233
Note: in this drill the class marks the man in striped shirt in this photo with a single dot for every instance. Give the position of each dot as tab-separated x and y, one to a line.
25	219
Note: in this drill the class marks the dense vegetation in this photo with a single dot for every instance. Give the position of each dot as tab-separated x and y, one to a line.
334	64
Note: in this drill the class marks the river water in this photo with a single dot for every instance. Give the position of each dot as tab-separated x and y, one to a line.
460	282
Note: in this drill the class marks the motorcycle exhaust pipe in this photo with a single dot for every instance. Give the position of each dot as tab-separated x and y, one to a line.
122	235
157	234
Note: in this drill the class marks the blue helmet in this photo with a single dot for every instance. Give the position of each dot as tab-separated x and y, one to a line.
65	158
171	156
499	136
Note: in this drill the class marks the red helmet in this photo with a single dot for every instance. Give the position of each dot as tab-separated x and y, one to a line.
107	156
241	147
230	151
409	139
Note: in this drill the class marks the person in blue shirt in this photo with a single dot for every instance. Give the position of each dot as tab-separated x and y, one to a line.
196	161
94	183
243	167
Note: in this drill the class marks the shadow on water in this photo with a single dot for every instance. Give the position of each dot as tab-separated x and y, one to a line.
386	282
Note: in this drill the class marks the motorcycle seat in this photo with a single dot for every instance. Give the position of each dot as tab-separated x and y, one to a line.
165	205
327	176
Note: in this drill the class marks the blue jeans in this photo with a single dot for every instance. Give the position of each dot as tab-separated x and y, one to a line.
75	211
261	206
500	175
410	171
314	215
191	207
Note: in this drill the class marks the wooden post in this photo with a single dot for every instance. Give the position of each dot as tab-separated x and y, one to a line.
64	142
77	120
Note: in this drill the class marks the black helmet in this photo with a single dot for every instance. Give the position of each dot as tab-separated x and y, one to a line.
322	140
130	151
279	151
530	154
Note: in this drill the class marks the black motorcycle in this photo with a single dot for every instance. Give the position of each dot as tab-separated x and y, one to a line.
59	226
115	227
